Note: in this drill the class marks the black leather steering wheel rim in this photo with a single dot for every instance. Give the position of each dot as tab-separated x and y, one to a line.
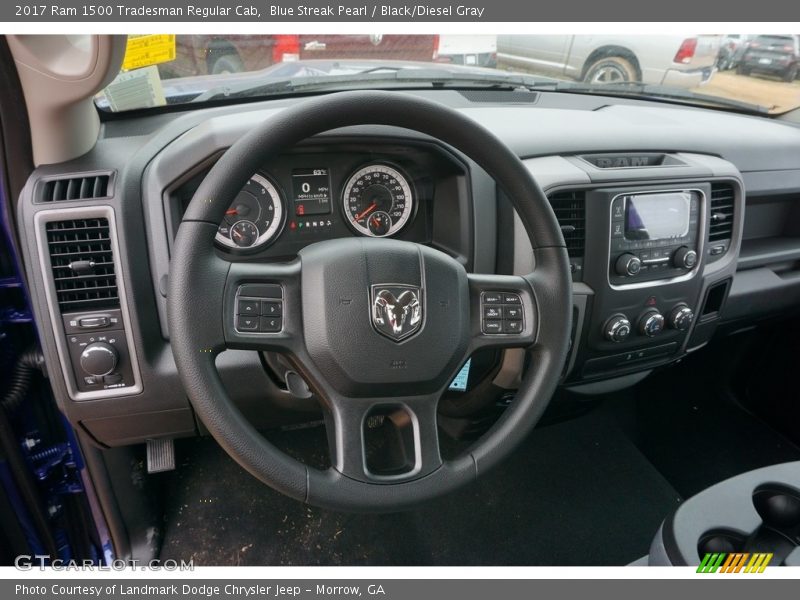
198	331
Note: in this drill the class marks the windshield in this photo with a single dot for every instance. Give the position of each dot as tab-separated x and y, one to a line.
751	73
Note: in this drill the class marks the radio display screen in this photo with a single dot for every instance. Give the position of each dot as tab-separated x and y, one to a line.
312	192
657	216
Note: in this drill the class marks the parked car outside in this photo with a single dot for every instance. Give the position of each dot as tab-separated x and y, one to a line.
774	55
731	50
676	61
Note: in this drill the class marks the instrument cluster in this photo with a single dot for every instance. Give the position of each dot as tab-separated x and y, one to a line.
378	199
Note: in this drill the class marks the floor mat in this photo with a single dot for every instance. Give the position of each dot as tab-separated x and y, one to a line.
575	493
694	433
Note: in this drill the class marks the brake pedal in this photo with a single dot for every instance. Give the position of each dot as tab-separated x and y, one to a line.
160	455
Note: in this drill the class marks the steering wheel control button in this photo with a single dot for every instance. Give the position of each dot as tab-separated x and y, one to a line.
617	328
270	324
492	312
501	313
247	323
492	327
651	323
259	308
248	307
271	308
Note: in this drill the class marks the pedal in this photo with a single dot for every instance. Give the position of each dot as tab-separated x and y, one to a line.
160	455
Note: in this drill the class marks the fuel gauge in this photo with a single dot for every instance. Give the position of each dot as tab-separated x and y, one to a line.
379	223
244	233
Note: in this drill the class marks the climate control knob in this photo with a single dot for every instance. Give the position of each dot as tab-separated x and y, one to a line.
628	265
651	323
99	359
684	258
681	317
617	328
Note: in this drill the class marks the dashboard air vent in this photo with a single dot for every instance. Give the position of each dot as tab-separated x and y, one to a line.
89	187
721	212
83	263
570	209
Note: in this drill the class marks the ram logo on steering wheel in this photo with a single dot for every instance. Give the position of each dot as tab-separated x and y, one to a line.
396	310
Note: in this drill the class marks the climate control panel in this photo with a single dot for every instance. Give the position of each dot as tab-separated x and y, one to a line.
649	323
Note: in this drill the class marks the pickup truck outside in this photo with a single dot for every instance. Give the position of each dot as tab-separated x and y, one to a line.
676	61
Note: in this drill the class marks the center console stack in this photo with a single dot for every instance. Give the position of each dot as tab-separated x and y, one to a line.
652	249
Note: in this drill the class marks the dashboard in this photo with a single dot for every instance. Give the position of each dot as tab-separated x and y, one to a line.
680	223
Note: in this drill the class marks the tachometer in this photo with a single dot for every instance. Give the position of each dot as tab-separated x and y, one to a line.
378	200
254	218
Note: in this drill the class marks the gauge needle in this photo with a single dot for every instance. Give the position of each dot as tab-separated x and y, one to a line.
236	234
231	211
366	211
375	221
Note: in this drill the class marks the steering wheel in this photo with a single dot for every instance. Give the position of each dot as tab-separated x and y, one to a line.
364	352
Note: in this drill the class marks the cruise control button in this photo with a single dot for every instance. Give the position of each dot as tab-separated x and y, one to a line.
247	307
512	326
511	299
245	323
271	308
492	298
270	324
492	312
492	327
512	312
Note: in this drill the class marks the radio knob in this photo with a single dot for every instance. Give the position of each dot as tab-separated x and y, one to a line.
681	317
617	328
651	323
628	265
99	359
684	258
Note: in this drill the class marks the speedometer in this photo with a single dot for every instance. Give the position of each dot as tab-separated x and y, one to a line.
254	218
378	200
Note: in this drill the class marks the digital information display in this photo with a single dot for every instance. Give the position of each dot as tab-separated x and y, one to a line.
459	384
657	216
312	192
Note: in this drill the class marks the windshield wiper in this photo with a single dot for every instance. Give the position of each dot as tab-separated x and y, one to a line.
369	77
634	89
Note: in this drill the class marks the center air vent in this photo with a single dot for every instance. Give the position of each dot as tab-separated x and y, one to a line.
88	187
570	210
82	263
721	212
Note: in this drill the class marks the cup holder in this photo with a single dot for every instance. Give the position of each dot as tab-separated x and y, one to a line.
779	507
721	541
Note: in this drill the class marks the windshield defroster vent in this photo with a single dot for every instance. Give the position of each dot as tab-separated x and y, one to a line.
82	263
89	187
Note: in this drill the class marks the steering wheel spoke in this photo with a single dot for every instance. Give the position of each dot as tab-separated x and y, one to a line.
383	440
503	311
262	308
